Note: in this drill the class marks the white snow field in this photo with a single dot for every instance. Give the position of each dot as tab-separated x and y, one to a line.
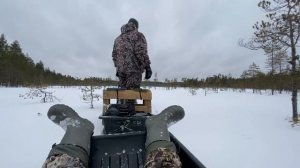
223	130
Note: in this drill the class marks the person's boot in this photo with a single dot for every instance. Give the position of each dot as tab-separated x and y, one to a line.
157	128
77	138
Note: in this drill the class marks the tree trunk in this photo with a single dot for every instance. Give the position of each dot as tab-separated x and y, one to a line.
294	81
92	98
294	85
294	99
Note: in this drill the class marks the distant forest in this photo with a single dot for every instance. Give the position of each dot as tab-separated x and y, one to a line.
18	69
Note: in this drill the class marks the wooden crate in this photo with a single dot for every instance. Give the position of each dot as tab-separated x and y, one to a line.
143	94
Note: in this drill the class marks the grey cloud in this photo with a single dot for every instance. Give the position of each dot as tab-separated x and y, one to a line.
192	38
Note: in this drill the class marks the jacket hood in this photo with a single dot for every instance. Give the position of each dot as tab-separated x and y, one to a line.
128	27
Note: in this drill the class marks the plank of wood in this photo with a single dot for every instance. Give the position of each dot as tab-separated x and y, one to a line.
127	94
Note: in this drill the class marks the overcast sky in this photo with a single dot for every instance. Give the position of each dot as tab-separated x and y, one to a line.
186	38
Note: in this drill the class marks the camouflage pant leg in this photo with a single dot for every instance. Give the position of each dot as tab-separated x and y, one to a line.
162	157
63	161
130	81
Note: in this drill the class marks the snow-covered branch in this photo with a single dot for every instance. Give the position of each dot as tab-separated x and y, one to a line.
41	92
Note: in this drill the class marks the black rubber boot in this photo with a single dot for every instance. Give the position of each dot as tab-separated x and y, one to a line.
157	128
77	138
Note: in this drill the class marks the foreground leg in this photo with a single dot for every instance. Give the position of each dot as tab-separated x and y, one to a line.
74	148
160	151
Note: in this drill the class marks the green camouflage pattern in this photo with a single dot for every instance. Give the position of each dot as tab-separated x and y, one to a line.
63	161
163	158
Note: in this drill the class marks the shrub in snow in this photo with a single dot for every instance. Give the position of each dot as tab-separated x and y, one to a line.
89	95
40	92
193	91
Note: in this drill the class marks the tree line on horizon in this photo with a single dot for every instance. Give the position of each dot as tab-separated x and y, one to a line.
18	69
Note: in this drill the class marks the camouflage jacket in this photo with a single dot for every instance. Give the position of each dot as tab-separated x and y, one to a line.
130	50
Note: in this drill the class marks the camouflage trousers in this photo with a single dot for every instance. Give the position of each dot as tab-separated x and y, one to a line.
130	81
63	161
162	158
159	158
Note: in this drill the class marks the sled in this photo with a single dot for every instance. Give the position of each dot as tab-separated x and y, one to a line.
122	144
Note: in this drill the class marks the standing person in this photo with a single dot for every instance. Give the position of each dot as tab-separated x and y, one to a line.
130	56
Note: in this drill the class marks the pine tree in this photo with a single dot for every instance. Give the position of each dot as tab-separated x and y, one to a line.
3	59
282	25
39	72
254	70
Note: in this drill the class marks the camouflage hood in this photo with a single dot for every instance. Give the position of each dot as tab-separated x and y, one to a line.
128	27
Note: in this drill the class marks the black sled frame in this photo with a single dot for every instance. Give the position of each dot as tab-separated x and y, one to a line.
122	144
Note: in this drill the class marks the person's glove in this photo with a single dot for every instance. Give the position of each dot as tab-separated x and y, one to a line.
148	72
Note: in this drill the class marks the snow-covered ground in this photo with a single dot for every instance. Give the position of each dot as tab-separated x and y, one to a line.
223	130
